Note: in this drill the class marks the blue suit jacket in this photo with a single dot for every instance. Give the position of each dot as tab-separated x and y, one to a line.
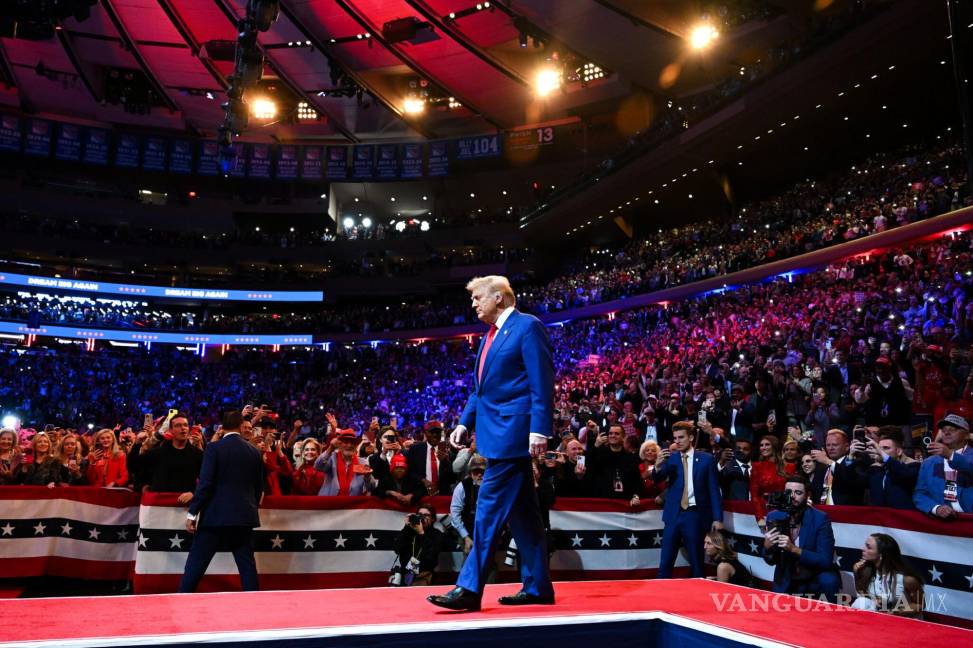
893	484
932	482
516	394
706	486
230	485
816	541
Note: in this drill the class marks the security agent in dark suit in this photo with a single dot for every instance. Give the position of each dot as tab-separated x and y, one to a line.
223	511
803	558
438	478
693	503
734	469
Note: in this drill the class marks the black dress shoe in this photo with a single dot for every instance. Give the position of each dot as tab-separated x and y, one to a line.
523	598
458	599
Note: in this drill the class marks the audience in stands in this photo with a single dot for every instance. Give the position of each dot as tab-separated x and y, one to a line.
903	188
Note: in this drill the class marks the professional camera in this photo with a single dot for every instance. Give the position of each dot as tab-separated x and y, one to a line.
415	519
780	509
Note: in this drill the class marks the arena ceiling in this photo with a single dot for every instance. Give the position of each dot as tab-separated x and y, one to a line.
323	52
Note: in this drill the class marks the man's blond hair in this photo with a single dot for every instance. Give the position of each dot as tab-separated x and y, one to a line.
494	284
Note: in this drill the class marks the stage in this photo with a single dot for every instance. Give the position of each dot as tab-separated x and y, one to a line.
624	613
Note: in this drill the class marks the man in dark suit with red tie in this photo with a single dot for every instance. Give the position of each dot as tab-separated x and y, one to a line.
693	505
429	461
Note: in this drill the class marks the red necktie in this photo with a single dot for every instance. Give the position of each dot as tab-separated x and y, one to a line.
433	467
486	348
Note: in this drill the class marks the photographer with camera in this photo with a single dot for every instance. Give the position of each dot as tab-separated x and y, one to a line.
799	542
417	548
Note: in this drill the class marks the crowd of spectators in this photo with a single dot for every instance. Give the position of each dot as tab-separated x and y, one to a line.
883	192
871	351
855	380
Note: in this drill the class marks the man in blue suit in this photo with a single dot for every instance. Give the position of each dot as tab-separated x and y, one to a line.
511	411
804	558
892	475
693	506
945	486
223	511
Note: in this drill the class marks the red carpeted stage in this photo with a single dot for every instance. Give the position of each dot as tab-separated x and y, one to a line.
626	613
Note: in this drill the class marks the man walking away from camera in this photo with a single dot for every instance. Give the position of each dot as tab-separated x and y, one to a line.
223	511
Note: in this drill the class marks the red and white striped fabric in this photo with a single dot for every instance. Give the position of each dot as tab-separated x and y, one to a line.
77	532
319	542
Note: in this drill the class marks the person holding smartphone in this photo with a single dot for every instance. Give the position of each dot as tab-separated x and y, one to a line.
430	461
69	454
346	474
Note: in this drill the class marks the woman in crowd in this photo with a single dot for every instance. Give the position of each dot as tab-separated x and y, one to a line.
10	457
69	455
276	464
822	415
106	461
798	388
306	479
791	452
728	567
767	475
381	461
651	489
884	581
45	470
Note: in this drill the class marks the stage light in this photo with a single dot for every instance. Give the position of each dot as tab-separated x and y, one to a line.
263	108
546	81
424	226
349	222
10	421
454	104
413	106
702	36
305	111
589	72
366	222
400	226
